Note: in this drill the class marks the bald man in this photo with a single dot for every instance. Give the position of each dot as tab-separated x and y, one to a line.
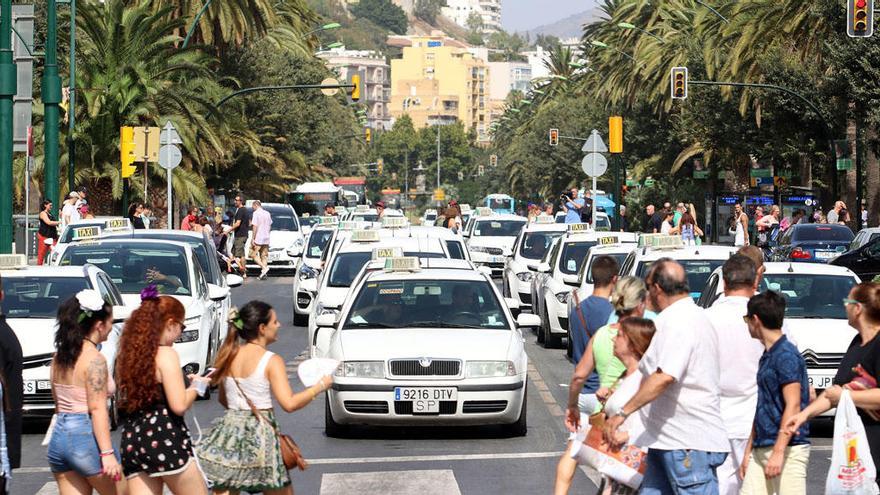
682	385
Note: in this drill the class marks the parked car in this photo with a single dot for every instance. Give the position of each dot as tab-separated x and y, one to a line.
863	261
812	243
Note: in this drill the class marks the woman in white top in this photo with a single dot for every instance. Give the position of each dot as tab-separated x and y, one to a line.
632	340
666	226
242	452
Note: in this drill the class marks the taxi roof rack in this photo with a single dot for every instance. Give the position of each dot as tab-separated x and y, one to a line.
12	261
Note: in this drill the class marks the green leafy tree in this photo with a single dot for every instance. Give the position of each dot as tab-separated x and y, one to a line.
382	12
428	10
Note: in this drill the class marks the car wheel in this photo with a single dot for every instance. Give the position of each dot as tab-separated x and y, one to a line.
300	320
552	340
520	428
541	331
331	428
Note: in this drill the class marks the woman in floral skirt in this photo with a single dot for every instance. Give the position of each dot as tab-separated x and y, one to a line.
242	452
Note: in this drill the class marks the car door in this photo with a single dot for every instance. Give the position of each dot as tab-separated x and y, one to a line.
209	315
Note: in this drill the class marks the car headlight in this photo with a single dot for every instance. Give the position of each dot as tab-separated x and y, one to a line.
524	276
563	297
361	369
490	369
190	331
306	272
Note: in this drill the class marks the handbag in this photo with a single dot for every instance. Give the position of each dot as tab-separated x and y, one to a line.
852	469
290	451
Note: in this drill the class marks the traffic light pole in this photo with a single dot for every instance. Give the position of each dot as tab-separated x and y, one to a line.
7	93
51	94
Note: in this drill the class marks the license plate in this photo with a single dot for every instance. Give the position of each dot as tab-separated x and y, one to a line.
496	259
274	256
824	255
821	382
34	386
425	400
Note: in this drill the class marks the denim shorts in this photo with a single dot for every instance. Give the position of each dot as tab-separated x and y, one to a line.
73	446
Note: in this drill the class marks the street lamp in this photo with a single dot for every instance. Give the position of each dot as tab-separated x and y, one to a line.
626	25
325	27
599	44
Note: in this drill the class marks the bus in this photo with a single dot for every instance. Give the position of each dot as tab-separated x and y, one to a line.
500	203
310	197
353	185
391	198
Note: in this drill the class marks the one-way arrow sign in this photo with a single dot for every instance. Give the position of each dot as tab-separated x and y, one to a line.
595	144
169	134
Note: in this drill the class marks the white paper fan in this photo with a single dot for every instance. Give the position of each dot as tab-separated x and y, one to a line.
311	370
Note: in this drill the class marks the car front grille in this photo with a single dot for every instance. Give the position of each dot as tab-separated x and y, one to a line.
496	266
406	408
494	251
366	406
822	360
483	406
437	367
41	398
525	298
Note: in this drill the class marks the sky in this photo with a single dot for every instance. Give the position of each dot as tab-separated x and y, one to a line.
522	15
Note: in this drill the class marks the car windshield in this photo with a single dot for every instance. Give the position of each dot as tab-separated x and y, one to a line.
535	244
38	297
196	244
67	236
346	266
822	233
283	219
810	295
309	220
456	251
318	241
697	272
498	228
133	266
368	217
603	223
573	256
427	303
588	272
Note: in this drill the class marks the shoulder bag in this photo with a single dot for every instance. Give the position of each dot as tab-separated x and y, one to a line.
290	451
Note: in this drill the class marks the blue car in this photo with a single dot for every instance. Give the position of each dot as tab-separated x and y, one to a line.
812	243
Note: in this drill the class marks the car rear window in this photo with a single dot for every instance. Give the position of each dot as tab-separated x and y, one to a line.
822	233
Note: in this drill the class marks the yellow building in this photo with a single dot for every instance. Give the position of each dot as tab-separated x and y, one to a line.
439	80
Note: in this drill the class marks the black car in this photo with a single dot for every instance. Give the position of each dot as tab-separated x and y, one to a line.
812	243
863	261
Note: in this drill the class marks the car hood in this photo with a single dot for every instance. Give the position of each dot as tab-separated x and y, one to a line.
824	336
283	238
490	241
36	335
380	345
190	304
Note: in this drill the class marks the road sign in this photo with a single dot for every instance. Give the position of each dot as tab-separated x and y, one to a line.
146	144
844	164
701	174
169	134
780	181
594	144
761	181
594	164
169	156
760	172
439	195
330	81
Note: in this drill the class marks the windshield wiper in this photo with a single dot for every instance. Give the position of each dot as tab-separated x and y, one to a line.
369	325
440	324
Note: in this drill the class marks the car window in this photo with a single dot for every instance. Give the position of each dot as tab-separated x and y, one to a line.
456	251
133	266
318	240
283	219
427	303
587	271
696	271
365	217
346	267
38	297
498	228
534	245
573	255
822	233
810	295
200	287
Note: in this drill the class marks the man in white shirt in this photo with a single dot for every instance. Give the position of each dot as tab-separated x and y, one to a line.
684	432
738	356
69	212
261	223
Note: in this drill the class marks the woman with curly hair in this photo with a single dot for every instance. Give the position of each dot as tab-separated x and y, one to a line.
81	454
156	446
242	452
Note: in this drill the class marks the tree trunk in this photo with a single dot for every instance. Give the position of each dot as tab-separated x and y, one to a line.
872	177
849	195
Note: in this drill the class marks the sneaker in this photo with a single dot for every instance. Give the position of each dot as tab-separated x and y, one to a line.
262	275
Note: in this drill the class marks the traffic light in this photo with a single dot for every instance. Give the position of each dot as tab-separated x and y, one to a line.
679	82
493	160
126	151
380	164
554	137
481	170
356	90
860	18
615	134
368	135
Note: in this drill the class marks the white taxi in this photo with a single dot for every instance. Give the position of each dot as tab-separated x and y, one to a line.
491	239
532	244
429	217
454	242
425	346
341	268
133	264
308	266
87	229
698	261
31	297
815	318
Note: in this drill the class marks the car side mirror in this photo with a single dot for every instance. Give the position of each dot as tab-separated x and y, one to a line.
528	320
233	280
217	293
327	320
544	267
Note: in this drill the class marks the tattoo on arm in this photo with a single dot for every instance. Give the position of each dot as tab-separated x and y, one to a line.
97	375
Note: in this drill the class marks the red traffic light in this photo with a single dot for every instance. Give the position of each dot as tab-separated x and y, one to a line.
860	18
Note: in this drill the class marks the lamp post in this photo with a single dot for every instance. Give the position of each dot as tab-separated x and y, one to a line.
626	25
51	94
599	44
7	93
71	107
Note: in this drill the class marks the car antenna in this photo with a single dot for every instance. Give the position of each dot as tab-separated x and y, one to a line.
790	267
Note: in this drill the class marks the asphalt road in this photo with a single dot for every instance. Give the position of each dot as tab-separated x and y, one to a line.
408	460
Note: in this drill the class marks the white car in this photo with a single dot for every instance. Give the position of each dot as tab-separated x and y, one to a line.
87	229
698	261
364	215
343	266
491	238
286	239
429	217
425	346
556	279
532	244
454	242
30	303
308	266
127	261
815	317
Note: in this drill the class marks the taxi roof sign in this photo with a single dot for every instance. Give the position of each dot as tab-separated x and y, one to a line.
394	222
484	211
353	225
117	224
387	252
646	240
544	219
328	220
664	241
82	233
608	240
577	228
402	264
12	261
361	207
365	236
465	207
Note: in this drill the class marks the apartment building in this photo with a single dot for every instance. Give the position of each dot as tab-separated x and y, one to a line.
377	80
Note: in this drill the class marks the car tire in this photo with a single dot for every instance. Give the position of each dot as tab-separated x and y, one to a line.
552	340
300	320
569	350
331	428
520	427
541	331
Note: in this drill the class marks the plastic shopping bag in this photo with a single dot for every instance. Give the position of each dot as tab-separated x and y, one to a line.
852	470
626	466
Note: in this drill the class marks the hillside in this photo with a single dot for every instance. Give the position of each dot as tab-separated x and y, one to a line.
570	27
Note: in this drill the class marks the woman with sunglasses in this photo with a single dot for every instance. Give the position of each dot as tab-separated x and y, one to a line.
858	369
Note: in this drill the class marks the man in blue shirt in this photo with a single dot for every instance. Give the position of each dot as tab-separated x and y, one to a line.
573	207
776	460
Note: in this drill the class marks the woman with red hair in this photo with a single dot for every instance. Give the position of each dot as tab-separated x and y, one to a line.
156	446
